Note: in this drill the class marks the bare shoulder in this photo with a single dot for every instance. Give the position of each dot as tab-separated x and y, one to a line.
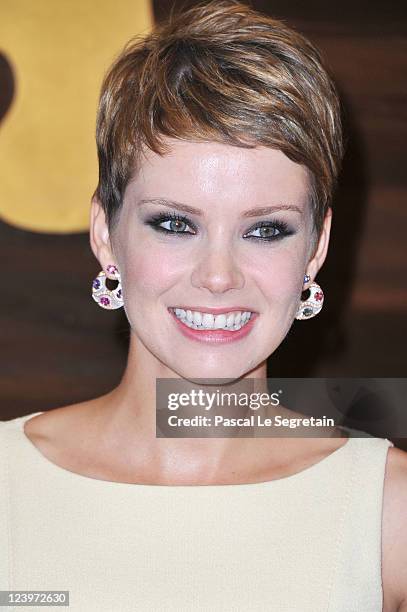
47	422
69	436
59	424
394	534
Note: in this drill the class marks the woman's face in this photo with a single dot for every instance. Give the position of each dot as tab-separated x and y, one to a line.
229	254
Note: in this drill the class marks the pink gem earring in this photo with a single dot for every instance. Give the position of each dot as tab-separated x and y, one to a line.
313	304
104	297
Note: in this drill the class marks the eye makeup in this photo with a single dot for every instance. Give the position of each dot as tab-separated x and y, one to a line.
177	223
172	218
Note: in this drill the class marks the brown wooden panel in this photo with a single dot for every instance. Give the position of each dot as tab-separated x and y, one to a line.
57	345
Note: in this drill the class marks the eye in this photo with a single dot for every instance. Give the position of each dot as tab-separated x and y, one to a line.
176	224
270	230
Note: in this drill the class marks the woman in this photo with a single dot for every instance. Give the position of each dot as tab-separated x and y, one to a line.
219	142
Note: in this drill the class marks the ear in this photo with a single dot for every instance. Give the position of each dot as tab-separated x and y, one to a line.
99	235
321	250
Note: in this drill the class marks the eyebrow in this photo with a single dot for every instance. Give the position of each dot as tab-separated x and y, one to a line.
253	212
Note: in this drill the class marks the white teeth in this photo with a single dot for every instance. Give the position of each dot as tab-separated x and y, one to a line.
208	320
231	321
220	321
197	318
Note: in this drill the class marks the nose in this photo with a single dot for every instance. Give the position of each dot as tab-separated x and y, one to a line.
217	270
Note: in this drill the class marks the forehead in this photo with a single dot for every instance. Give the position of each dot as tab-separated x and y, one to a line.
201	170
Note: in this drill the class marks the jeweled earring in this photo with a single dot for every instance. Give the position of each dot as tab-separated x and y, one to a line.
104	297
313	304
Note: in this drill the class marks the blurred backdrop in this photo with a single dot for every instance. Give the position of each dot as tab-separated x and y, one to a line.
57	346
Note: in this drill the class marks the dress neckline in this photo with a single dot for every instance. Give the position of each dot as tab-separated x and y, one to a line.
311	470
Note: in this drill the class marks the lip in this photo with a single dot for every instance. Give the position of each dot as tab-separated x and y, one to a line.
214	336
214	311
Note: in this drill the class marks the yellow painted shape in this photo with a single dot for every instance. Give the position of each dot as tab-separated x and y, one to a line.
59	53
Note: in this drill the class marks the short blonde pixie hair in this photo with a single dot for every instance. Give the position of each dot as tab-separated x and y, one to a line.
222	72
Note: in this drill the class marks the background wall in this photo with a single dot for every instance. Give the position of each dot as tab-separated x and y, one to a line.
58	347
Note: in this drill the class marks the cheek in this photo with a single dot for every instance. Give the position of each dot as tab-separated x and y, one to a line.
280	275
148	270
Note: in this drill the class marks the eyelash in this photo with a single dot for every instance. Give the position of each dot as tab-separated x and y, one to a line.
155	221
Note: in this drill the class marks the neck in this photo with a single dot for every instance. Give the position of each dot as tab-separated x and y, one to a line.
129	417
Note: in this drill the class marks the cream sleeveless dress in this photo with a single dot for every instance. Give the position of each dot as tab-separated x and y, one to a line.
310	542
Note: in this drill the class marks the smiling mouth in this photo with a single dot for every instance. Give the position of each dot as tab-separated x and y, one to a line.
229	320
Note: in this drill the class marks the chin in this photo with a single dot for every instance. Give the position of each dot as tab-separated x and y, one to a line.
217	382
216	377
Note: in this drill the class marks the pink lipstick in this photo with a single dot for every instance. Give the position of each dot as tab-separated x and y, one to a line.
214	336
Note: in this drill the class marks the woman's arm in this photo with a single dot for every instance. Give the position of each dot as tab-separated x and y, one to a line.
394	536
